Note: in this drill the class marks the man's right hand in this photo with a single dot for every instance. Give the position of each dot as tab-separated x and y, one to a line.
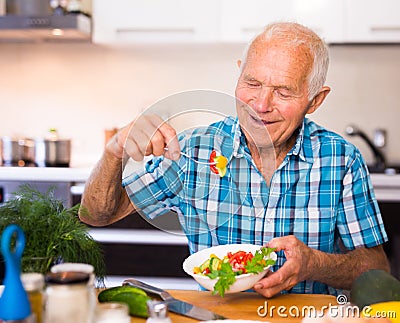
146	135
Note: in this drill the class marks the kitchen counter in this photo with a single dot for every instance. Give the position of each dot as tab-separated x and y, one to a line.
244	306
45	174
387	187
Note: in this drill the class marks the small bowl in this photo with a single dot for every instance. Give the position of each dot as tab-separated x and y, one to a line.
242	283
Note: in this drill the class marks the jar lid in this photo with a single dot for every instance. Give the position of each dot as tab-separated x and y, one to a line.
67	277
32	281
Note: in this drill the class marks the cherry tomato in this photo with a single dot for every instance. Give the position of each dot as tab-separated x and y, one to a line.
211	160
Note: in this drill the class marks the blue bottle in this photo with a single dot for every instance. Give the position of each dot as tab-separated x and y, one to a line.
14	302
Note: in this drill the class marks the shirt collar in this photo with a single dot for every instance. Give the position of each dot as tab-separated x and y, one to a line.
303	144
239	141
301	148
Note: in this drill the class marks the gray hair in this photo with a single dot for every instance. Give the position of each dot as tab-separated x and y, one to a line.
294	35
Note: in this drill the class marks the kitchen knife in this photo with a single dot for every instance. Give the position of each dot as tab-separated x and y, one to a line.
175	305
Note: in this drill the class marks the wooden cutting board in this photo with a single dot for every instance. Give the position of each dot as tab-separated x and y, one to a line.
245	306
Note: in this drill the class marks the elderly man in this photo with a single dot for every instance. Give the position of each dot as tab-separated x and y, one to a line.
290	183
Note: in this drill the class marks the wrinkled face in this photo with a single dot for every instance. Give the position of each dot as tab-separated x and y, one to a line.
273	83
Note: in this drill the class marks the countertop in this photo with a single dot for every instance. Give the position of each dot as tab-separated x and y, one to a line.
45	174
387	187
245	306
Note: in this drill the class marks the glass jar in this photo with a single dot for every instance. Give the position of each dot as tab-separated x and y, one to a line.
68	298
112	312
33	284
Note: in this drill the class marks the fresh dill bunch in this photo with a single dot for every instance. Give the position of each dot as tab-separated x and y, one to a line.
54	234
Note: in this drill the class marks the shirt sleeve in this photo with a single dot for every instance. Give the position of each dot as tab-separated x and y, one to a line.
359	220
155	189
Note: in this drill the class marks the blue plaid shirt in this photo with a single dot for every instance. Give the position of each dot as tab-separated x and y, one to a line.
321	193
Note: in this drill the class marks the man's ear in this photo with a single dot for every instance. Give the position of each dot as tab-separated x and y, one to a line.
239	63
318	99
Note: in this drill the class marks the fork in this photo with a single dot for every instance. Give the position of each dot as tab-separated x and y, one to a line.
195	160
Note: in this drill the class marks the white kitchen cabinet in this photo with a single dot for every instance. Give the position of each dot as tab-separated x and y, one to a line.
237	21
372	21
241	20
154	21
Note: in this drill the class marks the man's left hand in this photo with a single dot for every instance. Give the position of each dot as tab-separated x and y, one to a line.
300	262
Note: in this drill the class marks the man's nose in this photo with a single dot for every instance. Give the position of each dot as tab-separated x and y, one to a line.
263	100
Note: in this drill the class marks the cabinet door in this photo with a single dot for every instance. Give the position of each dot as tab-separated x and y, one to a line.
241	20
151	21
373	21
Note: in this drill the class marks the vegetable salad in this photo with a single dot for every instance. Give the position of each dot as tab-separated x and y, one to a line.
233	264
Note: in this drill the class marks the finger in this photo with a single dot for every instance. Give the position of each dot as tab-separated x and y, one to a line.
133	150
276	243
150	124
170	139
157	144
274	284
140	139
282	243
146	135
116	144
269	292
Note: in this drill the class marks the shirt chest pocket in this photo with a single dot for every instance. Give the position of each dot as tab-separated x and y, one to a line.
315	227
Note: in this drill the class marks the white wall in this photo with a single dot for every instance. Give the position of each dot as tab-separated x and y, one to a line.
82	89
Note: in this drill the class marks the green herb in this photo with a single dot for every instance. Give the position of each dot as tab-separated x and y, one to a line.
53	233
226	276
260	261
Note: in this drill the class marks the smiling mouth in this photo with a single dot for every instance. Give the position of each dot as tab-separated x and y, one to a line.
261	121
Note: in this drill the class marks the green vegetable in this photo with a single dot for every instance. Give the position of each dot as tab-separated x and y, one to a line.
226	276
205	265
215	263
374	286
256	264
108	293
135	298
53	233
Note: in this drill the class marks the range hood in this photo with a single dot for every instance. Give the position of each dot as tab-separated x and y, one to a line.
43	21
52	28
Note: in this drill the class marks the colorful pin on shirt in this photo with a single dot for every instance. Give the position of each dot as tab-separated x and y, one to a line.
220	163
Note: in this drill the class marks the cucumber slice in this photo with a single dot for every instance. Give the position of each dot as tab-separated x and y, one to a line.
205	265
215	263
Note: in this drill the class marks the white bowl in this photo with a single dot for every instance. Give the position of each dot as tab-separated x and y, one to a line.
242	283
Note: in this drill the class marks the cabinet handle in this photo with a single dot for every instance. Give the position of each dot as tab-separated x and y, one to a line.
187	30
384	28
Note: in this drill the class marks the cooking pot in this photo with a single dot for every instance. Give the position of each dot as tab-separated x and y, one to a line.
16	151
57	152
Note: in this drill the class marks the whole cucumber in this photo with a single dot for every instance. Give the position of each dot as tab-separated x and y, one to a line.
137	303
107	294
135	298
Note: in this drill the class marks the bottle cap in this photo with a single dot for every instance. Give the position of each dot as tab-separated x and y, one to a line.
32	281
157	309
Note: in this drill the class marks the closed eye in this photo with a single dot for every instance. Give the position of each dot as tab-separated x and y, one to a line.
253	84
283	93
